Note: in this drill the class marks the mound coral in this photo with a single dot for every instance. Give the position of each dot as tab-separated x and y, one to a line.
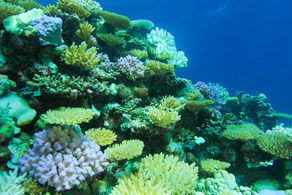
111	40
116	20
212	166
139	186
276	143
84	31
101	136
176	175
128	149
131	67
67	116
162	117
80	56
158	68
62	158
245	131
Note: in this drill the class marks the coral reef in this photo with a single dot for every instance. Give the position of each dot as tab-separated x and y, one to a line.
62	158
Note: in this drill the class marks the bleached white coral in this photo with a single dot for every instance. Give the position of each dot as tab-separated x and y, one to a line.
62	158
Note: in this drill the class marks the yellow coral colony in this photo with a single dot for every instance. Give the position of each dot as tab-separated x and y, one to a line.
139	186
212	166
158	68
84	31
80	56
245	131
101	136
170	102
68	116
162	117
128	149
276	143
176	175
195	106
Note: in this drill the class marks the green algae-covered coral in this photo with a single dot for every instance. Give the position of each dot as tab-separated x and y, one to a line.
68	116
84	31
245	131
80	56
111	40
128	149
116	20
8	9
158	68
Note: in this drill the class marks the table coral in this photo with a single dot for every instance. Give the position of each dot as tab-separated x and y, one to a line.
212	166
62	158
68	116
245	131
111	40
116	20
101	136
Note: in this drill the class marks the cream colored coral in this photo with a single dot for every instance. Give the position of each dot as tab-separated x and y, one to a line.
245	131
128	149
67	116
101	136
177	176
162	117
80	56
212	166
139	186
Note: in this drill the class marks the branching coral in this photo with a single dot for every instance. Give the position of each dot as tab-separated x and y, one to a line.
80	56
10	184
51	10
62	158
245	131
101	136
140	54
276	143
29	4
158	68
116	20
84	31
68	116
33	188
128	149
170	102
111	40
131	67
8	9
138	185
71	6
212	166
162	117
176	175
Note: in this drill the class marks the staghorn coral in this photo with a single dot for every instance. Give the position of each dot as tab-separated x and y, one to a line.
71	6
212	166
245	131
116	20
138	185
101	136
170	102
68	116
80	56
10	184
51	10
176	175
8	9
128	149
195	106
84	31
162	117
131	67
68	87
277	143
158	68
62	158
111	40
29	4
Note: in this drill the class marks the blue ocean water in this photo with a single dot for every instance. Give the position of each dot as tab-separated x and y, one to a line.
244	45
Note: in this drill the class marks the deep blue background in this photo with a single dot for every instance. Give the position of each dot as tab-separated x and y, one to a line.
244	45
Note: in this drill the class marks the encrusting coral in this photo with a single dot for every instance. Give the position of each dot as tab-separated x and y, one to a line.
80	56
245	131
62	158
101	136
128	149
67	116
